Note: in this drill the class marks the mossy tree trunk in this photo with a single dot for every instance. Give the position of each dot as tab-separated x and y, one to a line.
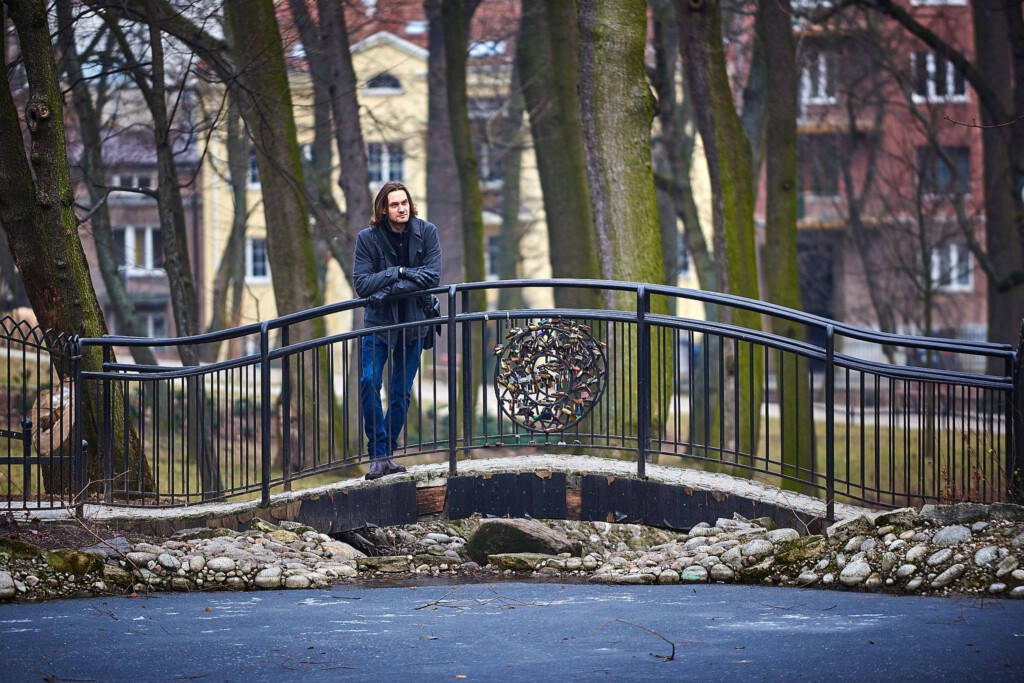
37	214
616	110
548	59
731	171
455	20
94	172
511	151
781	271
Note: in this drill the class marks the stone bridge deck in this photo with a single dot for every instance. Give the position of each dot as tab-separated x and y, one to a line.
539	486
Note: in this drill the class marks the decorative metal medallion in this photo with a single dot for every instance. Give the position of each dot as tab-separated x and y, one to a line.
549	375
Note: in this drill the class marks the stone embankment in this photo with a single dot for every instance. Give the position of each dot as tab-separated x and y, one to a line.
966	548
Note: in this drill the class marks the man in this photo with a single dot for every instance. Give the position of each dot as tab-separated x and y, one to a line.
399	253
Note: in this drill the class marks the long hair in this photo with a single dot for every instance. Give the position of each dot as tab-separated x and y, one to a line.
380	204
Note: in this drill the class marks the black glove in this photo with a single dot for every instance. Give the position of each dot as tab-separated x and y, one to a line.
418	276
376	300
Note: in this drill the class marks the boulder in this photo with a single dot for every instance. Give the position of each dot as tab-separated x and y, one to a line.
18	550
519	561
7	588
115	548
198	533
961	513
848	528
73	562
384	563
951	535
499	536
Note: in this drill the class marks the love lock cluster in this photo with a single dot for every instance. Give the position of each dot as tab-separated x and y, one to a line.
549	375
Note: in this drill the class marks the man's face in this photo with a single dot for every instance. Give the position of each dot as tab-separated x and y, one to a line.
398	209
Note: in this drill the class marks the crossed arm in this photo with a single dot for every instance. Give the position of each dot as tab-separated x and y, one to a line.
394	280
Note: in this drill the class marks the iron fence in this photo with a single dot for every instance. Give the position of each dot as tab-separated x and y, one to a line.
791	407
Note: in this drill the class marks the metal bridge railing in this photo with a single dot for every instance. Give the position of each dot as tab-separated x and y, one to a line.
629	380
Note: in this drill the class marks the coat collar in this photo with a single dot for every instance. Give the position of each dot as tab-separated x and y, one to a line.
415	228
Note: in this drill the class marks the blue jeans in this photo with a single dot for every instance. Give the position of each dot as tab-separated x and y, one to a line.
382	430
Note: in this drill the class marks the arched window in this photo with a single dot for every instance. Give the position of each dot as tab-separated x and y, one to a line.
384	82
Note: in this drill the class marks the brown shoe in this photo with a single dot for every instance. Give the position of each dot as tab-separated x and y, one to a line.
392	467
378	469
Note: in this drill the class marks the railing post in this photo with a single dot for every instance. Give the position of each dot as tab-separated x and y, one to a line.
82	457
453	393
467	375
265	413
643	402
286	412
26	454
830	424
1015	423
108	435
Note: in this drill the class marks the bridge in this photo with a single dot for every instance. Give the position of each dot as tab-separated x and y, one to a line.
625	411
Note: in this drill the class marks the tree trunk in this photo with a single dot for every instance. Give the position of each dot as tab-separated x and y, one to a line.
444	198
511	148
616	108
731	172
548	57
782	271
36	211
95	175
355	175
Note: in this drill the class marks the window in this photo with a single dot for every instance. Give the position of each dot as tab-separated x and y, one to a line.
257	264
493	260
936	79
416	28
946	173
386	161
154	324
818	81
384	84
307	153
820	165
953	267
254	169
139	250
487	48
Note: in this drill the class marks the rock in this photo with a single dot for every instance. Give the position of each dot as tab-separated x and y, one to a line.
283	536
168	562
917	553
502	536
198	533
961	513
951	535
114	548
757	549
17	549
196	563
889	561
268	578
73	562
297	581
874	581
764	522
668	576
113	574
385	563
694	574
949	576
848	528
800	549
1017	592
807	578
941	557
1017	575
519	561
978	527
147	548
1006	511
855	573
782	535
342	551
1006	566
986	556
996	588
220	564
7	587
914	584
180	583
140	559
906	571
632	579
902	517
722	572
853	545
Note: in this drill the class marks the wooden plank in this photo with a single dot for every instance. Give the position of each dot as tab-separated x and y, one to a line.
430	500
